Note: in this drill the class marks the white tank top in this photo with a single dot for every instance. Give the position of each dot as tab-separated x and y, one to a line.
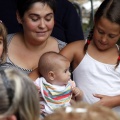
92	77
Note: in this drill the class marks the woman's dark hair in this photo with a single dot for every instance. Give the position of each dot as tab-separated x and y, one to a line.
24	5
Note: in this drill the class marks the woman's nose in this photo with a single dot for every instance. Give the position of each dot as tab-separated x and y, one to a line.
42	23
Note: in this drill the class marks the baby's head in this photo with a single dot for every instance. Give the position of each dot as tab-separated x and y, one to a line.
3	42
54	68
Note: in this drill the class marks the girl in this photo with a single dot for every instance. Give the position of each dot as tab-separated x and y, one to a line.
95	64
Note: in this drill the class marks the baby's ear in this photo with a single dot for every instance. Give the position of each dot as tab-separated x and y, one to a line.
12	117
51	75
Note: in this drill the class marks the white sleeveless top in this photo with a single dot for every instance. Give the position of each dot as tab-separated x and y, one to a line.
92	77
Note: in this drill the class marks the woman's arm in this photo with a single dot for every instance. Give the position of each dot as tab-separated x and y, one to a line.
34	74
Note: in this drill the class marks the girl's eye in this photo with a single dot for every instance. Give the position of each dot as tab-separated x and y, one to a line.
112	36
101	32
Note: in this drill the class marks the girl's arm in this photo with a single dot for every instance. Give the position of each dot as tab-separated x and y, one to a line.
69	50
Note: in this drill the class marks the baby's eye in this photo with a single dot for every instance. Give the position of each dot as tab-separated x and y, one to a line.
67	70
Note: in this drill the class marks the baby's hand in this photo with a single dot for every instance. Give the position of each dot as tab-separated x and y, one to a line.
77	94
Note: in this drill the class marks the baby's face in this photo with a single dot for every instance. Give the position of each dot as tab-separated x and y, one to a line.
62	73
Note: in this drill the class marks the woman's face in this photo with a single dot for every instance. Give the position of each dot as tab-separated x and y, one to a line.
38	22
106	34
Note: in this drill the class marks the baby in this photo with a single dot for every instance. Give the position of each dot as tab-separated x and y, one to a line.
56	87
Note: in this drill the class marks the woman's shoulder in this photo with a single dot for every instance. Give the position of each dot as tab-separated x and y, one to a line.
9	37
60	43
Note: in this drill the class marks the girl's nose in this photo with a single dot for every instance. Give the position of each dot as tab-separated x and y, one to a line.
104	38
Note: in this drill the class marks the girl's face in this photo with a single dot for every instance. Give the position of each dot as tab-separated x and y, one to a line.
38	22
1	45
106	34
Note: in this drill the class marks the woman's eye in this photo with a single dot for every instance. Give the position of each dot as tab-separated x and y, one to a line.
48	18
34	19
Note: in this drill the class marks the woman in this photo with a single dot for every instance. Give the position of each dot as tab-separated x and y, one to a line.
37	19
